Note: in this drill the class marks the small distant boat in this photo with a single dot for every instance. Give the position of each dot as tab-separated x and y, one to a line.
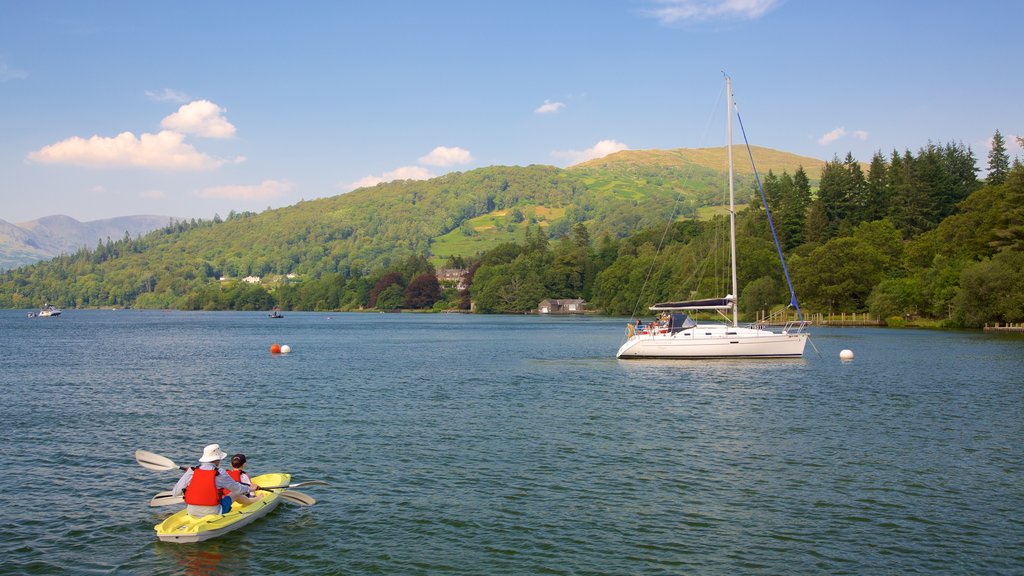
48	311
275	313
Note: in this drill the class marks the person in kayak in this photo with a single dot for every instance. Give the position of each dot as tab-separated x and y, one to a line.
207	490
238	474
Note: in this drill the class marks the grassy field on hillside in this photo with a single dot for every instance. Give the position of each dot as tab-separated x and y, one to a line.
490	230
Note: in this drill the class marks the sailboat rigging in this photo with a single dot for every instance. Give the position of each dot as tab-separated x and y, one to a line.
679	336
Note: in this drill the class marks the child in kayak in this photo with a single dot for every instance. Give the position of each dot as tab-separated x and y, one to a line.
238	474
207	490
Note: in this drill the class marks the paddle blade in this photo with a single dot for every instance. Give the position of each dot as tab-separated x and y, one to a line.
166	499
297	498
156	462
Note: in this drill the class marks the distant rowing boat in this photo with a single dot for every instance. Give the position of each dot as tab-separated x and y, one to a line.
48	311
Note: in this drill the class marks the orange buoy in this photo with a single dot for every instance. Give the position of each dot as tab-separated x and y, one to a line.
275	348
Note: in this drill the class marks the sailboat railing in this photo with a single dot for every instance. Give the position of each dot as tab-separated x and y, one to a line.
796	327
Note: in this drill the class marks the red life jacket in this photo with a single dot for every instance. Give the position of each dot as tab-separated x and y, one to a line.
236	475
202	488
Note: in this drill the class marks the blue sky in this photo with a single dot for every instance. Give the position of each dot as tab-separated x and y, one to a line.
192	109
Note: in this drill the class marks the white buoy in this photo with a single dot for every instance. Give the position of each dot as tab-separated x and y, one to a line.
844	355
286	349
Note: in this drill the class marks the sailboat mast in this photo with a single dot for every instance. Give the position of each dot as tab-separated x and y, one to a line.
732	202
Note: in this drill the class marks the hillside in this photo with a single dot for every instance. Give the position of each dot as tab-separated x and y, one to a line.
689	179
371	229
708	158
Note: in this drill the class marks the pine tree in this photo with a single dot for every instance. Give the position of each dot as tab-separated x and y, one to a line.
877	192
998	160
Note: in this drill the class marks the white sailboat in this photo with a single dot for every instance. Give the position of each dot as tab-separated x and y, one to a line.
679	336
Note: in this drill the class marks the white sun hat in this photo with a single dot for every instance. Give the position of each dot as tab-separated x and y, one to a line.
212	453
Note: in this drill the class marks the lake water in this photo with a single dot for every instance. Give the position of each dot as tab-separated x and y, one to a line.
462	444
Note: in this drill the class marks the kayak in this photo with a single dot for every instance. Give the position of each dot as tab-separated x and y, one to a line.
180	527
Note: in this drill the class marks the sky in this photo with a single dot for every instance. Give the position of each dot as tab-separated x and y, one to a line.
194	109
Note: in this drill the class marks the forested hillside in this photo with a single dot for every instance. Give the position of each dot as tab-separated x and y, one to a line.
369	230
913	235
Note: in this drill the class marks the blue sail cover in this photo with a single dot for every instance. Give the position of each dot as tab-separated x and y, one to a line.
706	304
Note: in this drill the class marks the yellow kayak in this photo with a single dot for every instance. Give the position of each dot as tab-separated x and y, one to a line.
181	527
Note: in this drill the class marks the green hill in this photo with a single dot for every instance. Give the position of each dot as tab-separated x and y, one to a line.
371	229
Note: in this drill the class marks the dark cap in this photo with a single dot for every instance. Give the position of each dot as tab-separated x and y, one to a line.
238	460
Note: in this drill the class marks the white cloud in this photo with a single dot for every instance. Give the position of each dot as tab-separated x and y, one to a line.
167	95
673	11
549	107
832	136
153	194
265	190
599	150
403	173
98	189
444	156
202	118
838	133
165	150
8	73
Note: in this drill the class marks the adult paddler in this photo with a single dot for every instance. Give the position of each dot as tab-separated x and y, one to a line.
207	490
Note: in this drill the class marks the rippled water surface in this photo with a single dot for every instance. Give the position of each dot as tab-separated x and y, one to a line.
510	445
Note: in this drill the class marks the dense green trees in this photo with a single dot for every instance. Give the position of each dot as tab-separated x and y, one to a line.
914	192
917	234
515	278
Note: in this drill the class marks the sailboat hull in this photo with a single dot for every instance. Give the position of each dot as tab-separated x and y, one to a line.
706	342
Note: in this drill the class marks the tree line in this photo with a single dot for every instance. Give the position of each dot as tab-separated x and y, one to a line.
916	234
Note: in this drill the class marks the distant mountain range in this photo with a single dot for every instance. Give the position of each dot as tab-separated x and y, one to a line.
43	238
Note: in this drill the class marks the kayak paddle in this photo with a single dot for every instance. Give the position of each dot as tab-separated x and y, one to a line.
297	498
168	498
151	461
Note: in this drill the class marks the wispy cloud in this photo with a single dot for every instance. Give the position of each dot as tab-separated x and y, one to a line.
549	107
165	150
599	150
167	95
839	133
153	194
444	156
830	137
266	190
403	173
678	11
202	118
8	73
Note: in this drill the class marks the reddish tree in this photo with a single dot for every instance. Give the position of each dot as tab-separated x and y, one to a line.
423	291
385	281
